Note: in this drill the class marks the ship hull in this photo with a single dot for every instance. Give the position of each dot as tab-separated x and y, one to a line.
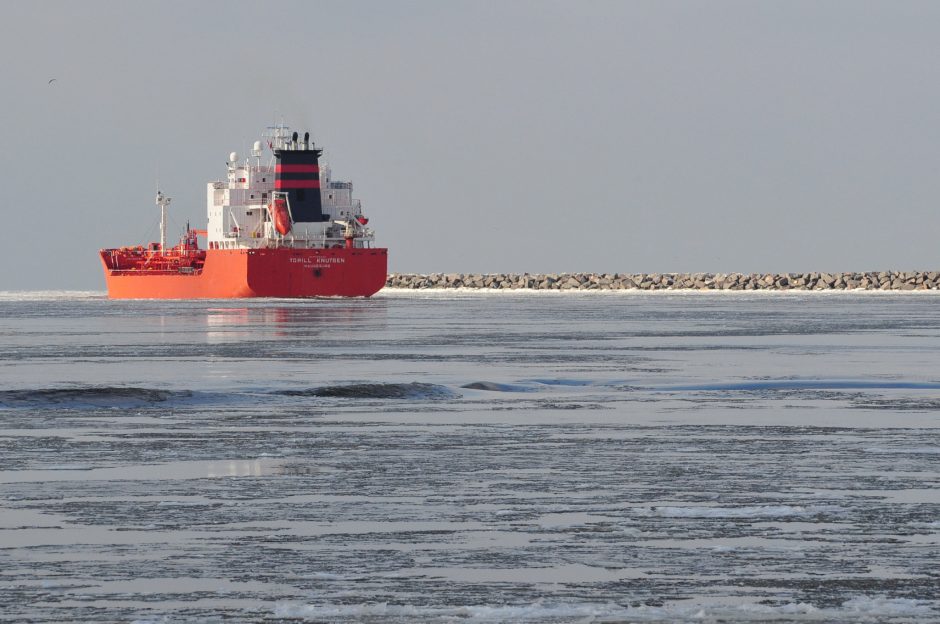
236	273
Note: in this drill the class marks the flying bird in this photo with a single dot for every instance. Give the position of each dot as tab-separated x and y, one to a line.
52	80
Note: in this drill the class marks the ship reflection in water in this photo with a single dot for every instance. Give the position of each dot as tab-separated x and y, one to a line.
172	471
261	467
238	469
329	319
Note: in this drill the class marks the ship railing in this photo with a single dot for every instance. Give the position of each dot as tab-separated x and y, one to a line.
325	243
366	238
341	242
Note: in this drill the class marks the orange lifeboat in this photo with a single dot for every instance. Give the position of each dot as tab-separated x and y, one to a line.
280	216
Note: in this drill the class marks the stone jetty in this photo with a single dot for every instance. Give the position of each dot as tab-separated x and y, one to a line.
883	280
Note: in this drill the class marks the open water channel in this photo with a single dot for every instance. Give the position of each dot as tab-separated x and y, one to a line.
463	457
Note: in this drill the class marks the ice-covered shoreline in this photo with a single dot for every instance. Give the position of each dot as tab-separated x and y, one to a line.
875	280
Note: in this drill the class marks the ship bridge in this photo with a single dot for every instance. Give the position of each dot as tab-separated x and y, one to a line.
290	200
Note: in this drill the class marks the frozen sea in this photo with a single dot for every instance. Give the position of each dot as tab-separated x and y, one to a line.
468	457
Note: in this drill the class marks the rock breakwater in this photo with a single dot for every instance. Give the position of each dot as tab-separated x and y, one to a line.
881	280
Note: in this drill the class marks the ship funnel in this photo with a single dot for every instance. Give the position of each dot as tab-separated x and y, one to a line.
306	140
293	141
297	174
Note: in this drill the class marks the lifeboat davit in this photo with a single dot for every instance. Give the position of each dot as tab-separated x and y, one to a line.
280	216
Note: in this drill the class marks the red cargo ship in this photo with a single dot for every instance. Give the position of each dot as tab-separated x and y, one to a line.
282	229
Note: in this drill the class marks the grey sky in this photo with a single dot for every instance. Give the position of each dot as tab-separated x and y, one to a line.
489	136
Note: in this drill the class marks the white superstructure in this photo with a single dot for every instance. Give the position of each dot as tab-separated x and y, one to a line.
241	207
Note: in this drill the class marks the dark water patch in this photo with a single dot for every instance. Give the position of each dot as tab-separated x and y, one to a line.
574	383
905	404
414	390
88	397
803	384
492	386
562	405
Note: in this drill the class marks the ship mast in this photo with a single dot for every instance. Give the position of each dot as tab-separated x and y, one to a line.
163	201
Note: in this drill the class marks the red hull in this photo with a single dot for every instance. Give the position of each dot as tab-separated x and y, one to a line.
234	273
